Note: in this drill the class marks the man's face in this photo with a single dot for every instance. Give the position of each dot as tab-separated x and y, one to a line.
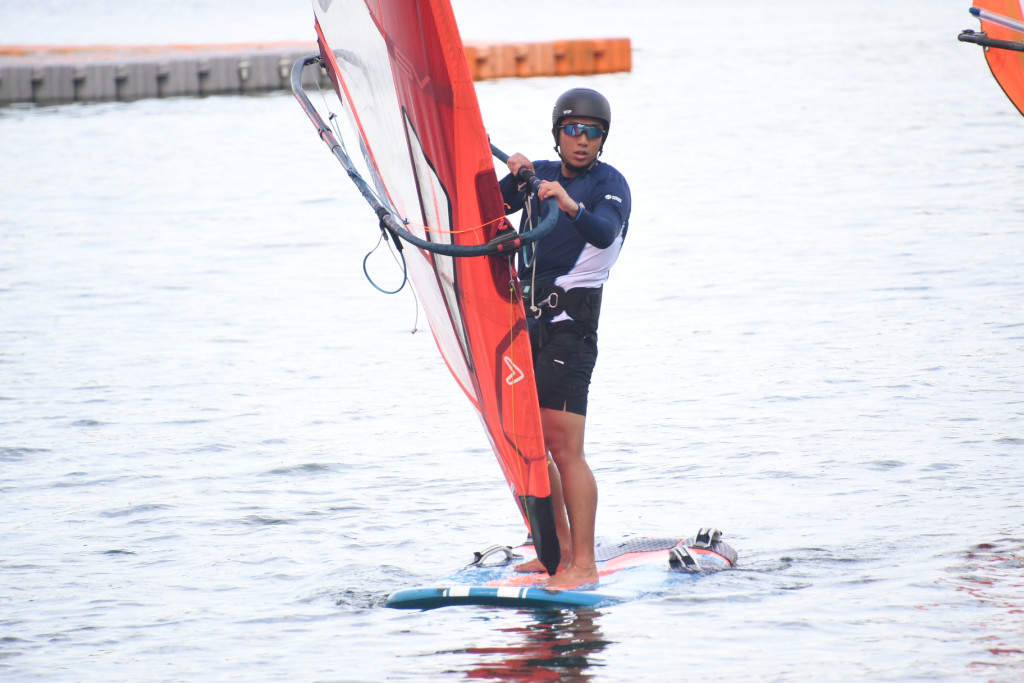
580	150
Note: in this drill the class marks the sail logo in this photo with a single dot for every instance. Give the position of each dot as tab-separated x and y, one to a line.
515	373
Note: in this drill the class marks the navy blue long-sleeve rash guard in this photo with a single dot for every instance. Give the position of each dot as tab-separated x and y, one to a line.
580	252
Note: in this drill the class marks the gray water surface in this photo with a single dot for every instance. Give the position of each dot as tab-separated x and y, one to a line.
221	448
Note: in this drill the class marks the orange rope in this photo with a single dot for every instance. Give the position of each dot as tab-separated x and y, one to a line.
438	231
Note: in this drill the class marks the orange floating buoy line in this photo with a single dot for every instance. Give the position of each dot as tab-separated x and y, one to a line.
581	57
53	74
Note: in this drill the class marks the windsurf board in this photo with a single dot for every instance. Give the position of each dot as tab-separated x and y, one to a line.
630	569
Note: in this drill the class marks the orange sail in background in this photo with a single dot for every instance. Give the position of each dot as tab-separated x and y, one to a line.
1001	20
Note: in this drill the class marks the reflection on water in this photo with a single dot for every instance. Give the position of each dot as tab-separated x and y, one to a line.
993	574
557	646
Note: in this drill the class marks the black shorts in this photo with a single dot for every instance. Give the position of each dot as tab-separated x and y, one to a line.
564	355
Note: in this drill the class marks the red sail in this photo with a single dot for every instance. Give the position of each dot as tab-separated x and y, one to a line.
1007	65
400	70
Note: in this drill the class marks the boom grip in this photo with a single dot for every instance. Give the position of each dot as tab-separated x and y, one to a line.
525	175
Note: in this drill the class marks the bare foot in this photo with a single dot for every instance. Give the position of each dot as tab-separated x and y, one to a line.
574	577
533	566
530	567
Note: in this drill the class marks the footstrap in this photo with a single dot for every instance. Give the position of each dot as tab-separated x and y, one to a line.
481	556
707	537
682	559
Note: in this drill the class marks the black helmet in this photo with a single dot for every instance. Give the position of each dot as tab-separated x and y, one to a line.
581	102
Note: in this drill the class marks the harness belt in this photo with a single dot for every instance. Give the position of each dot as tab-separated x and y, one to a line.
547	300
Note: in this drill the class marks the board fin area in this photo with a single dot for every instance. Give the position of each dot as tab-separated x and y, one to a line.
631	568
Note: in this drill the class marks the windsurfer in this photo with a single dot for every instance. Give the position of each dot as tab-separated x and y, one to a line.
562	282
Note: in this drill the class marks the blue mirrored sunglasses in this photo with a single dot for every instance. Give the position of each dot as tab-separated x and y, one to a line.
574	129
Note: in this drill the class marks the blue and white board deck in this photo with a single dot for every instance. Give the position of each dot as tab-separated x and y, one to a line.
496	596
630	569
